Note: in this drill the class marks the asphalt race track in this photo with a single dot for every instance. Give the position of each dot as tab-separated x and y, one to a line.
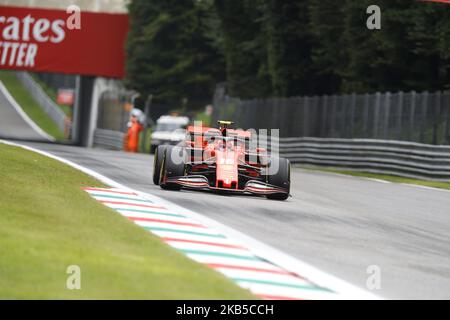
12	125
337	223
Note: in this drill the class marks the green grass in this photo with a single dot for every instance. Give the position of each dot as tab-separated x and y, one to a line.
29	105
47	222
391	178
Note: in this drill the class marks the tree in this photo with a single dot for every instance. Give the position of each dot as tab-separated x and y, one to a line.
289	47
168	52
430	37
329	54
181	48
244	48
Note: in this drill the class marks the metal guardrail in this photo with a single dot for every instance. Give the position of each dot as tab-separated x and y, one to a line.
406	159
47	104
109	139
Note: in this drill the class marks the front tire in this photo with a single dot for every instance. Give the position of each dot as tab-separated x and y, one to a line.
280	179
157	162
169	168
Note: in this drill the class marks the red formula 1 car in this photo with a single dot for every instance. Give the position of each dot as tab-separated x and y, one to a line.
221	160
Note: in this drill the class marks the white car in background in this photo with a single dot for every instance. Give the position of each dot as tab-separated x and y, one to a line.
169	130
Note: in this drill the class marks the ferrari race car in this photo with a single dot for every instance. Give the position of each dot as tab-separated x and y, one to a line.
221	160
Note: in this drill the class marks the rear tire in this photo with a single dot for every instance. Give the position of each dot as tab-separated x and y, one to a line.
171	169
157	161
281	179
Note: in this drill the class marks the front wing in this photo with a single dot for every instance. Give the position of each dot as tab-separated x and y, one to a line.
201	182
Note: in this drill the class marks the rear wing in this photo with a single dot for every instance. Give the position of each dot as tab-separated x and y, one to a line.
200	130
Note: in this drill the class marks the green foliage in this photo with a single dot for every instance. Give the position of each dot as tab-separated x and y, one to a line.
430	34
289	47
328	54
244	47
285	48
403	55
169	53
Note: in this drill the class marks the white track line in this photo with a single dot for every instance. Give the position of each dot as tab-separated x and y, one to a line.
378	180
343	289
424	187
349	176
24	116
385	181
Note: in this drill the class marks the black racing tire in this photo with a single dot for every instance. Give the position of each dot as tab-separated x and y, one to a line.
170	168
153	148
157	161
281	179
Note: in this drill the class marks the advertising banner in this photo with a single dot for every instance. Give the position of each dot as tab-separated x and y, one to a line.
47	40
